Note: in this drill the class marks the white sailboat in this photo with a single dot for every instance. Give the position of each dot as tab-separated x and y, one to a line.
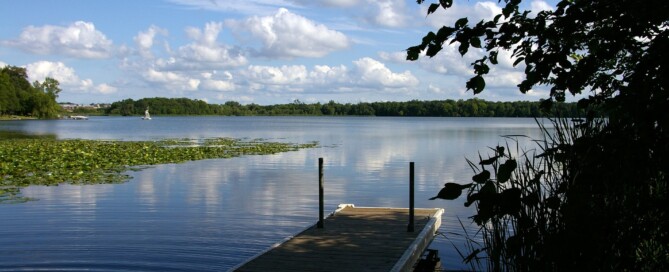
147	116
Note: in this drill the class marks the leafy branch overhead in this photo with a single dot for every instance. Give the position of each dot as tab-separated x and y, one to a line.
581	45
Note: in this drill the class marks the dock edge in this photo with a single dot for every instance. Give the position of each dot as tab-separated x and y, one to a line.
415	250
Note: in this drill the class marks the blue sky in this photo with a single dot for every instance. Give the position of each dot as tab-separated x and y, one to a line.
253	51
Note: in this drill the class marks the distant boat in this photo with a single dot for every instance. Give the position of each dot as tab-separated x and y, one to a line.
78	117
147	116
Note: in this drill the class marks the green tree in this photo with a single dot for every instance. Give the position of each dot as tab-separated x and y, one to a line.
44	99
613	186
18	96
9	101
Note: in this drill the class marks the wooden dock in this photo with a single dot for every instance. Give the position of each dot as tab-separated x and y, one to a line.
353	239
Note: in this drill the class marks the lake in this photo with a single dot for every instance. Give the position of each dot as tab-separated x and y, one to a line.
213	214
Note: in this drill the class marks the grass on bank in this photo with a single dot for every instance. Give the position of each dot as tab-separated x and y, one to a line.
25	162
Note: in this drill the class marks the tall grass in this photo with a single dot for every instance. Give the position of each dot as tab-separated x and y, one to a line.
589	195
519	193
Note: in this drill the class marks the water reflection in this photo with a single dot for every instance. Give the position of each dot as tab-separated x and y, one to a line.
213	214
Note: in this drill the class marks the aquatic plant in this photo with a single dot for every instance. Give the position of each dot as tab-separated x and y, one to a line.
25	162
519	196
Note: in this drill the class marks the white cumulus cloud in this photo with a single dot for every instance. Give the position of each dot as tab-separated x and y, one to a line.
204	52
105	88
66	76
79	39
389	13
329	3
172	80
178	81
288	35
284	75
373	72
537	6
365	73
215	81
145	40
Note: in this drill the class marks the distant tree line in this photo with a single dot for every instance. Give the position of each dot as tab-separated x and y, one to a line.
19	97
438	108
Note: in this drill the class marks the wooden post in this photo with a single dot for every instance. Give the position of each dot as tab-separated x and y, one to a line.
320	193
410	228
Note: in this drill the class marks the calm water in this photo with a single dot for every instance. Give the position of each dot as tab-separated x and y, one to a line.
213	214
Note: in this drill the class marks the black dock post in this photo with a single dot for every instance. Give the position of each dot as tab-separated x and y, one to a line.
410	228
320	193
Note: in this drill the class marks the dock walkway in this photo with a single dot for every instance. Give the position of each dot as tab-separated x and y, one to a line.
353	239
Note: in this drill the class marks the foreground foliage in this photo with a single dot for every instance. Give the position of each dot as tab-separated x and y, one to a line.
606	209
25	162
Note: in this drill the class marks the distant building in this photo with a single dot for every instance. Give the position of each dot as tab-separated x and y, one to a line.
67	106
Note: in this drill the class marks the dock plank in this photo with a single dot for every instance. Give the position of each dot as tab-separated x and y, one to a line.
354	239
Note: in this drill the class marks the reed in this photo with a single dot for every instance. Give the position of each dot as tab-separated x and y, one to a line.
519	194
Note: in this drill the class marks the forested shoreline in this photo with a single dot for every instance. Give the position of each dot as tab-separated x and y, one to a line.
436	108
19	97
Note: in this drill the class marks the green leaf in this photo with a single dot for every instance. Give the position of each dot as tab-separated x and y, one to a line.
510	202
513	245
461	22
464	46
500	150
508	10
481	177
451	191
489	161
480	68
433	49
428	39
475	42
471	198
446	3
546	104
432	8
505	170
413	53
493	57
477	84
552	202
444	32
565	63
496	19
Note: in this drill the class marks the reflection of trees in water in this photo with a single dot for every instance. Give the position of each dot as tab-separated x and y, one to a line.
23	135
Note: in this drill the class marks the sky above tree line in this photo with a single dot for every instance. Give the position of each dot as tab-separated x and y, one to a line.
253	51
